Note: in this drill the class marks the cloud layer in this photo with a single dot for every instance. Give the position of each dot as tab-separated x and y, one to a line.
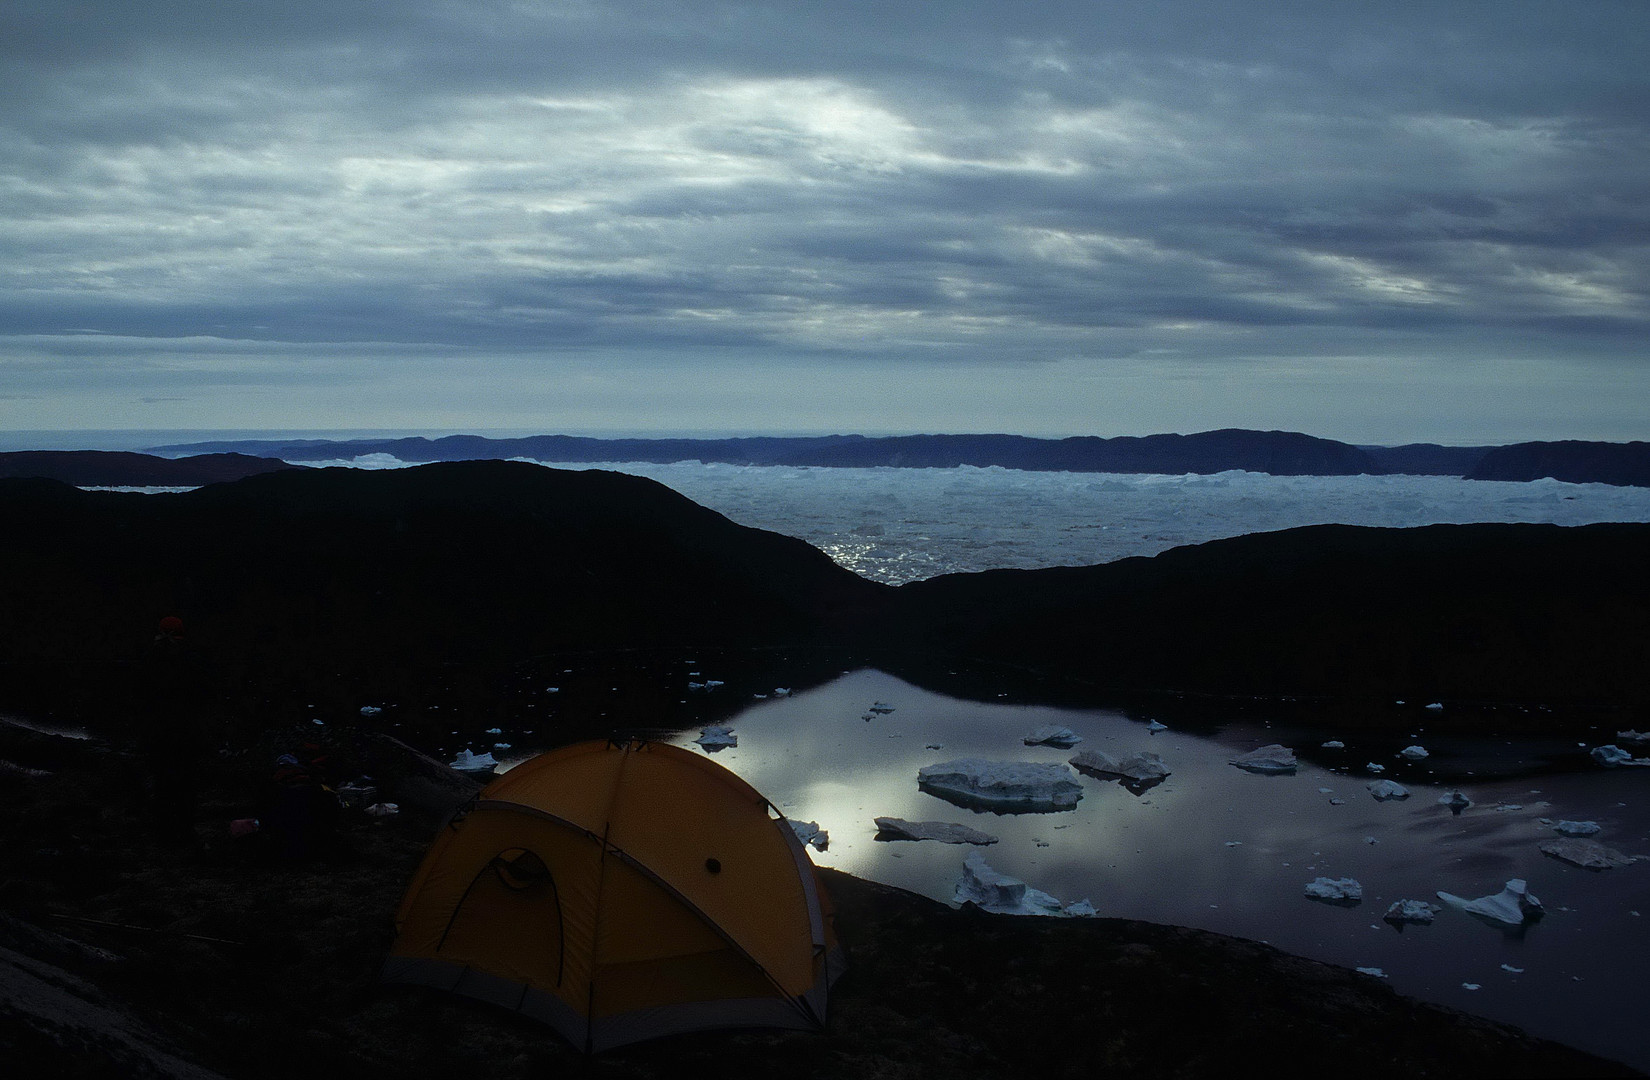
748	215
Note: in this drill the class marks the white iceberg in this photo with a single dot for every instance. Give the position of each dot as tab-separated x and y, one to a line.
1387	789
809	832
1611	755
1335	889
1053	735
893	828
474	764
1334	744
1436	706
1141	766
1154	727
1515	905
1002	785
1631	735
1454	800
1374	768
1577	828
1268	759
370	710
1413	753
984	887
1411	911
1587	854
716	737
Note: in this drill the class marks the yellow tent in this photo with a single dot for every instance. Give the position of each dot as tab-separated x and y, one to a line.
620	891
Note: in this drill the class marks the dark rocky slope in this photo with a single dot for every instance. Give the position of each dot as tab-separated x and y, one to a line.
107	468
1622	464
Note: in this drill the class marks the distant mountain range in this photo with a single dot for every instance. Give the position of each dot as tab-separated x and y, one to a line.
1280	453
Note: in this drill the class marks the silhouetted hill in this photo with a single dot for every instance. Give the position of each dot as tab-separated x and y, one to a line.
1279	452
331	573
1623	464
1426	459
1485	612
107	468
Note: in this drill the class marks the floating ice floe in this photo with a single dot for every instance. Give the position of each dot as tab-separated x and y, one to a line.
706	686
1633	736
893	828
1454	800
1611	755
1268	759
1141	767
716	737
881	708
1436	706
1514	905
1009	786
1335	890
373	710
494	731
1053	735
1334	744
1413	753
1587	854
1154	727
1374	768
1387	789
1411	911
781	691
984	887
474	764
809	832
1577	828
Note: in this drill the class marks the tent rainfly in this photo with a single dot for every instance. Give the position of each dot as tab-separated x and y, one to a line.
621	891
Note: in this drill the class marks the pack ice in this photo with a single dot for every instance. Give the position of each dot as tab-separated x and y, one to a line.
983	886
1005	786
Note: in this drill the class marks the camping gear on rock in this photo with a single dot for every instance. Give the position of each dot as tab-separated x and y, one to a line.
621	891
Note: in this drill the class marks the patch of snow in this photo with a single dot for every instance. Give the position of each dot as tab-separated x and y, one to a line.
1002	785
893	828
1273	758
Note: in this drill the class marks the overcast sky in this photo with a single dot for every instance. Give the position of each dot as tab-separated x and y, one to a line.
1372	221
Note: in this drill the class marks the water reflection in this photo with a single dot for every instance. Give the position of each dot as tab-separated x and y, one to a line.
1217	847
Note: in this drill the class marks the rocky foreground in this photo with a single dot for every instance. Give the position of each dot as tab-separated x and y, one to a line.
120	957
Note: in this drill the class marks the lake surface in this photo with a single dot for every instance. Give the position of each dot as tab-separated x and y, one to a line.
1227	850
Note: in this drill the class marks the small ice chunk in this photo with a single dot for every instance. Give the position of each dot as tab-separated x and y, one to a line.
781	691
716	737
474	764
495	731
1141	765
370	710
1273	758
881	708
893	828
985	887
1337	802
1411	911
1234	843
1514	905
1154	727
1577	828
1436	706
809	832
1454	800
1587	854
1631	735
1413	753
501	746
1471	986
1334	744
1387	789
1002	785
1375	971
1335	889
1512	970
1053	735
1612	755
1374	768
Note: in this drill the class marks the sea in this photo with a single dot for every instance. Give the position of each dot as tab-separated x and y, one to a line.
1213	846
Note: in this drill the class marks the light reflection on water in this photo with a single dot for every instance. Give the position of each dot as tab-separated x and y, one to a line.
1163	856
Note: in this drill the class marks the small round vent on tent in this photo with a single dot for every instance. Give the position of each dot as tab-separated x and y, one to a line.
713	865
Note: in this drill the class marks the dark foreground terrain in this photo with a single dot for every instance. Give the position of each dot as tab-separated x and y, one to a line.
122	958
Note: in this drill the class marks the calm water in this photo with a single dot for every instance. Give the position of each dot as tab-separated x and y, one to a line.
1231	851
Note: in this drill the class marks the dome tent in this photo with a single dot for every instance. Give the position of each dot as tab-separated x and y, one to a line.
620	891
